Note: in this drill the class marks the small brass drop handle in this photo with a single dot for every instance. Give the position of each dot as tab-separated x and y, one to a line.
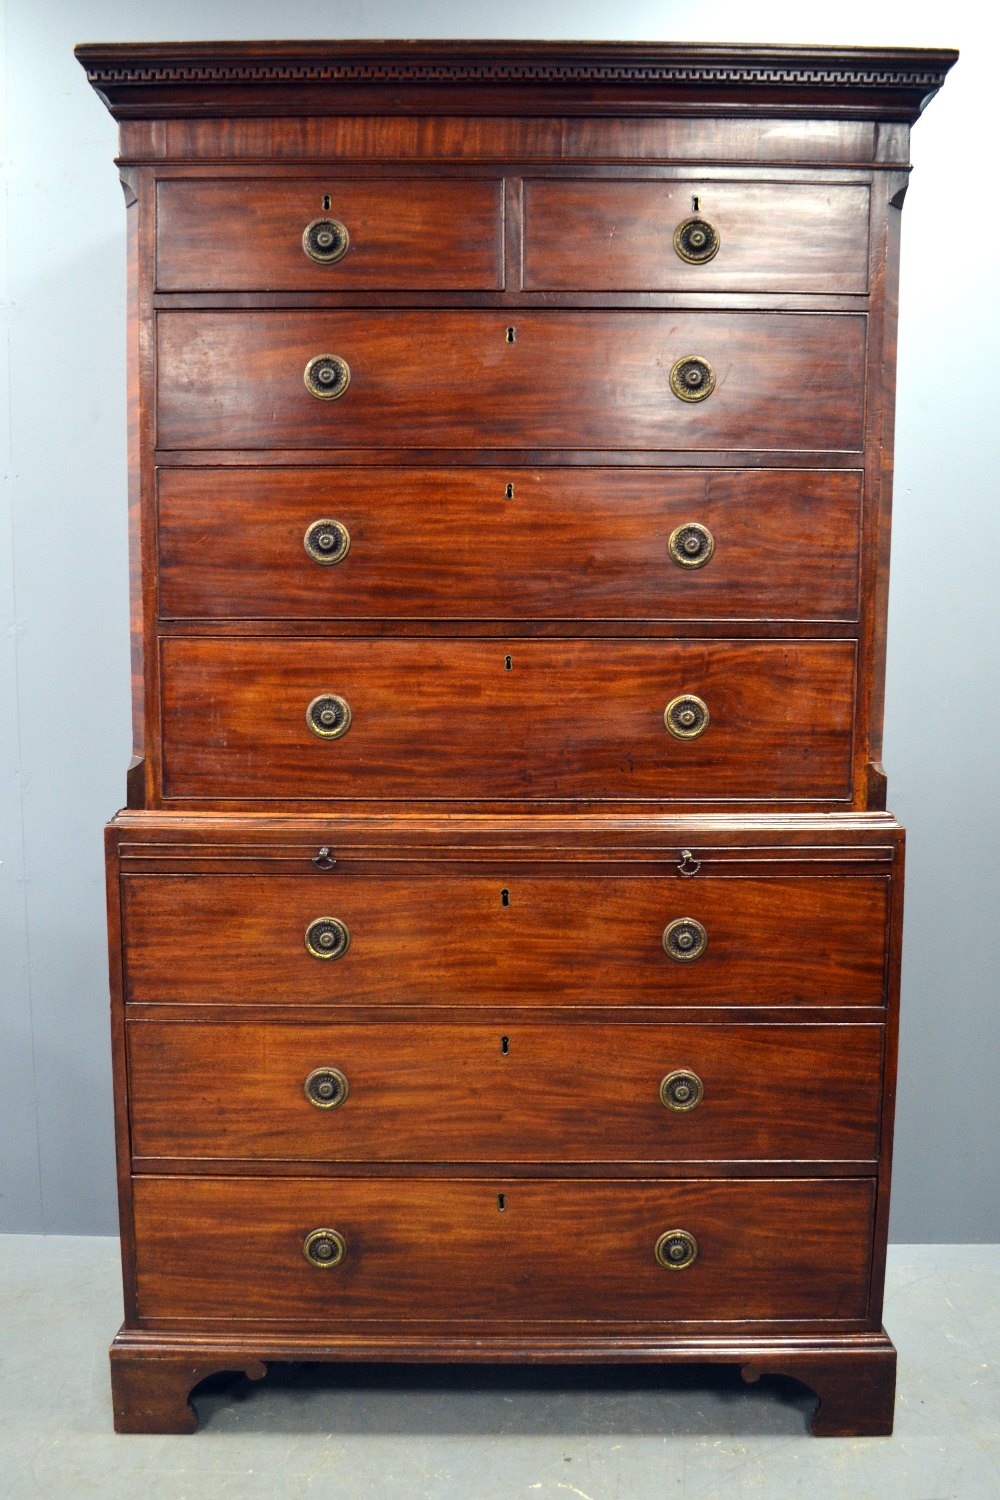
676	1249
329	716
326	1088
697	240
691	545
327	542
692	378
327	937
324	1248
684	939
327	377
325	241
686	717
681	1091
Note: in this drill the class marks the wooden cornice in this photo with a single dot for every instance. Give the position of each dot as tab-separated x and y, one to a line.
225	79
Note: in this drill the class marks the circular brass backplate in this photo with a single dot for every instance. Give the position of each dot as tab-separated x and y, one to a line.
327	937
691	545
692	378
327	1088
686	717
329	542
327	377
324	1248
676	1250
696	240
329	716
684	939
681	1090
325	241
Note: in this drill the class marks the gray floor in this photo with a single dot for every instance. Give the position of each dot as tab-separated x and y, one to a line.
482	1434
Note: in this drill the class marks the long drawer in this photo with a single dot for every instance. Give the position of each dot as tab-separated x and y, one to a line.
505	939
510	380
517	1092
507	720
400	232
501	1251
507	544
620	234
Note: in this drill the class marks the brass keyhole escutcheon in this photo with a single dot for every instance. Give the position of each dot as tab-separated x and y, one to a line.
324	1248
329	716
696	240
327	937
692	378
325	240
686	717
676	1249
326	1088
684	939
327	542
691	545
681	1091
327	377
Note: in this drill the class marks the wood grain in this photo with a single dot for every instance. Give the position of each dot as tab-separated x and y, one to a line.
580	1251
570	380
566	544
452	940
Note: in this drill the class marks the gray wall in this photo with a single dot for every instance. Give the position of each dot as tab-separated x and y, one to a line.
63	644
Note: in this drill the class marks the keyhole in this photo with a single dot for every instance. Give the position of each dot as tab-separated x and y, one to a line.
326	202
511	333
501	1202
509	492
508	664
505	897
696	205
505	1046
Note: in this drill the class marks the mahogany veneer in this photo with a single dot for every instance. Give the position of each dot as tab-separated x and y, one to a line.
445	1039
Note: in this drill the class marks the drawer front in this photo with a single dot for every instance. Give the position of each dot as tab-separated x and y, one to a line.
507	720
557	1251
614	235
556	380
506	939
564	543
520	1093
241	235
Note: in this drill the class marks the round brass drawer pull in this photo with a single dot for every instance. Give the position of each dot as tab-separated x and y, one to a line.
686	717
324	1248
327	1088
327	377
325	241
692	378
327	937
696	240
681	1090
684	939
329	716
676	1250
691	545
329	542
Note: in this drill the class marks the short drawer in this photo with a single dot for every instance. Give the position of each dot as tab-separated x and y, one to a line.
505	939
245	235
504	1251
610	234
514	1092
506	544
507	720
506	380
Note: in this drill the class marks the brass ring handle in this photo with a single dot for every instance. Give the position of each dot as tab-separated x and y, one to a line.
326	1088
684	939
327	937
692	378
691	545
324	1248
329	716
676	1249
328	542
697	240
686	717
325	241
681	1091
327	377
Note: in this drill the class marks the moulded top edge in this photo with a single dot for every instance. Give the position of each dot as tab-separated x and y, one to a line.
205	79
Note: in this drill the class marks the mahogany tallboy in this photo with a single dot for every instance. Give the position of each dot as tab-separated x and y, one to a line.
505	920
